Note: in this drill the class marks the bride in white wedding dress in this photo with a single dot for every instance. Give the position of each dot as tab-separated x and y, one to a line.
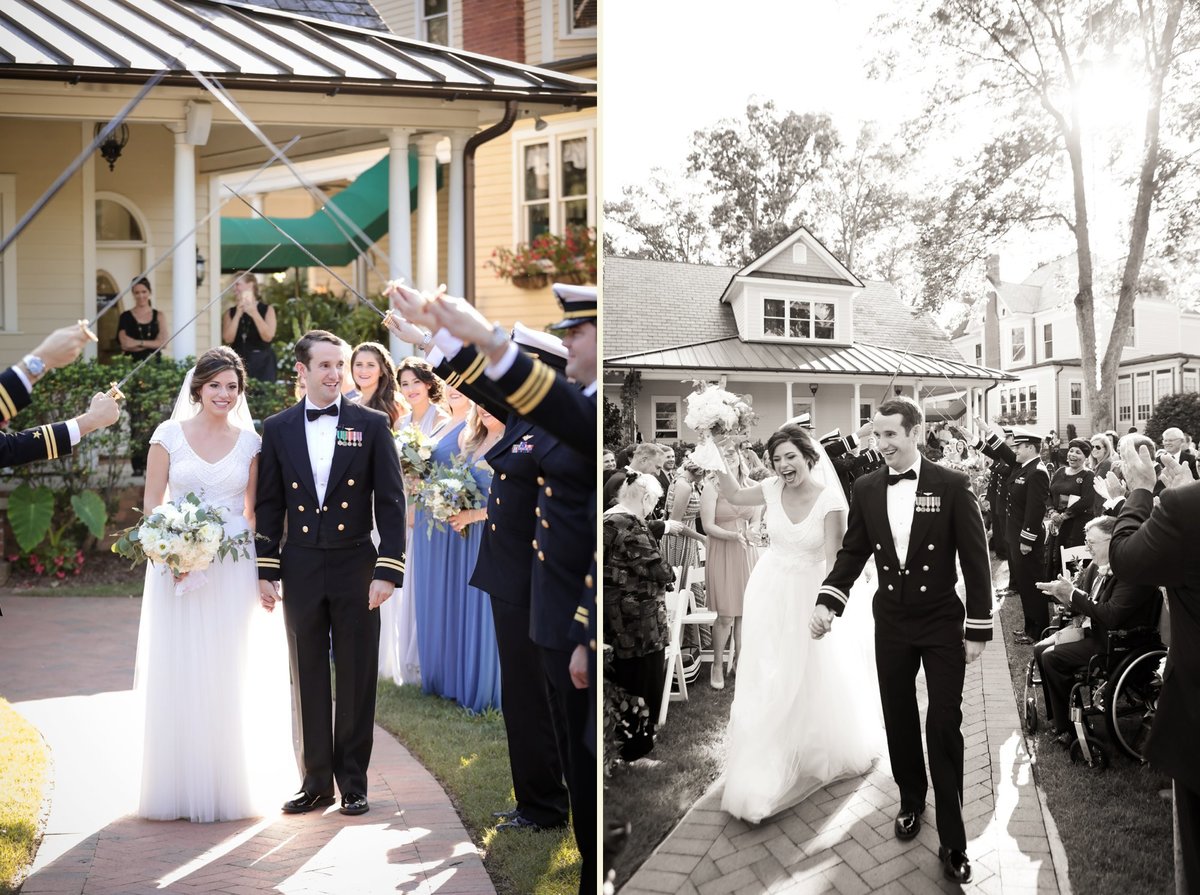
805	712
212	666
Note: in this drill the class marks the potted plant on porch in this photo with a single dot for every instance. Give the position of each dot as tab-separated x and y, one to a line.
569	258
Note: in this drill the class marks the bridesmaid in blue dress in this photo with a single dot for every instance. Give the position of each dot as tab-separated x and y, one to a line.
475	665
432	558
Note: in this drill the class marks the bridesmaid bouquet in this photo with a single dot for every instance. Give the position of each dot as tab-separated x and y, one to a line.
415	448
185	535
714	412
448	489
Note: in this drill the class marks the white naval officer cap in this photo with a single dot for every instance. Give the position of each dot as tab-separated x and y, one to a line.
542	345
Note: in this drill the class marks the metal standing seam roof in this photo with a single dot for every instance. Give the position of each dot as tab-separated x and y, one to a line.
732	354
251	46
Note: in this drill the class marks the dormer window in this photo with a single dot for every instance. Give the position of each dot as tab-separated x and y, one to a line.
799	319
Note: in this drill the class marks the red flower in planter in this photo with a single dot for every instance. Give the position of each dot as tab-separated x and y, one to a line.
13	557
59	560
60	574
39	568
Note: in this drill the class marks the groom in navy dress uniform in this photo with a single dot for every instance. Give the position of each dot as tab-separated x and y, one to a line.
325	464
915	517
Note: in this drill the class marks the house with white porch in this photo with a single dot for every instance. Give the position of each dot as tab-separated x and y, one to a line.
340	88
1028	329
795	329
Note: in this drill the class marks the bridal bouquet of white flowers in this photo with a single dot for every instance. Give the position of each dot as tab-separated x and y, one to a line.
415	448
714	412
446	490
185	535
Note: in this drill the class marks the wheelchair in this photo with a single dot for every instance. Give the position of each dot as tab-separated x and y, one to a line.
1117	694
1113	700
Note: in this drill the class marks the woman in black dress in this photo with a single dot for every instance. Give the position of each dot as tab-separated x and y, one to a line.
140	331
1072	498
249	327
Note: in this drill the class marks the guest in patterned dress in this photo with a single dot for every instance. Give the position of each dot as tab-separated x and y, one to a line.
635	614
683	505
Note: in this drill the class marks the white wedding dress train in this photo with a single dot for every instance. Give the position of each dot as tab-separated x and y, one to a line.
805	712
212	668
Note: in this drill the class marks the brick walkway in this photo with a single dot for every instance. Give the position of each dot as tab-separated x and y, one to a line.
841	839
67	665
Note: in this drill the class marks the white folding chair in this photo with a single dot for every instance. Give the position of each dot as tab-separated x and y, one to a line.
681	610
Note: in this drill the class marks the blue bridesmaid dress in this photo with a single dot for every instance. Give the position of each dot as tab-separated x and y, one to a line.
455	635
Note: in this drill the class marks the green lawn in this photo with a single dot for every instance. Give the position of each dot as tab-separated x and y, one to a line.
469	757
23	762
1115	827
131	589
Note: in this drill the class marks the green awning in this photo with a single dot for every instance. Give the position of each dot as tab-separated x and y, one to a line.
365	202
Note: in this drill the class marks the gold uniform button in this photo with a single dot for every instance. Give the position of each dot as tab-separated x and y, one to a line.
537	511
541	480
541	556
592	644
890	587
345	505
535	543
549	493
886	569
503	476
497	501
304	528
350	482
493	526
924	568
301	508
922	588
545	524
341	527
295	485
930	546
588	580
325	509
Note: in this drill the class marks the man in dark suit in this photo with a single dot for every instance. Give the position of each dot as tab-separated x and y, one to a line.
1106	603
325	465
1027	498
1174	445
915	517
1157	546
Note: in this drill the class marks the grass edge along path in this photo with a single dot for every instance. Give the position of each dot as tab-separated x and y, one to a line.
23	778
1114	826
468	755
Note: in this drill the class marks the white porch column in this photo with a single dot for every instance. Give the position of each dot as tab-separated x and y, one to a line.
787	413
399	221
426	273
857	404
183	265
456	253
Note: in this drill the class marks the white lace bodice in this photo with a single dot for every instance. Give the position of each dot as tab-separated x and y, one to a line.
222	483
802	542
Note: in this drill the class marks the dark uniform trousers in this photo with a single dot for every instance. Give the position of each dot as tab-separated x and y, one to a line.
326	565
503	570
920	621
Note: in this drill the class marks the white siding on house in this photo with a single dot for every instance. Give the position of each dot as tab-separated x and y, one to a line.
756	291
814	266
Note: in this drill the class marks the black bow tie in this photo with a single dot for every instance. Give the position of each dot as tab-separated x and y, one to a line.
892	479
312	413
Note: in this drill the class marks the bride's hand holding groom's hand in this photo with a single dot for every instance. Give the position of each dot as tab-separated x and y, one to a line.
268	595
973	649
821	622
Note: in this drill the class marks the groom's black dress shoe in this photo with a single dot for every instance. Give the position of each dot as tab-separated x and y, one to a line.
519	821
505	815
955	866
354	803
908	825
305	802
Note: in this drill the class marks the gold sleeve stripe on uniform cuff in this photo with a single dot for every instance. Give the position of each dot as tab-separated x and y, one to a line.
1028	536
475	369
522	393
7	407
534	390
51	444
985	623
389	564
268	561
581	617
453	380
